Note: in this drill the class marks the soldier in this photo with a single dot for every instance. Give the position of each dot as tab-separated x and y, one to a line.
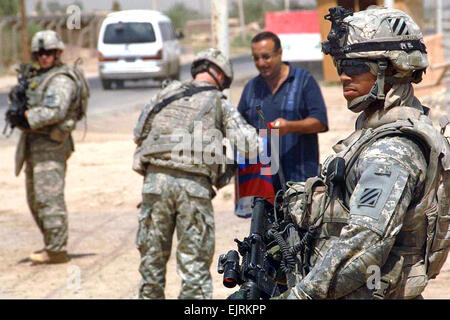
177	189
379	231
46	144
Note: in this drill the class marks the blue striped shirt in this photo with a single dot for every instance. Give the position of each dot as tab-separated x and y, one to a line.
299	97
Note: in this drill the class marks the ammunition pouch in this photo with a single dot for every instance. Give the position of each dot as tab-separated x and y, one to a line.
306	201
58	135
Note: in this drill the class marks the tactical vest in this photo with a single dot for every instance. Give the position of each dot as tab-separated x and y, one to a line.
423	243
185	135
35	94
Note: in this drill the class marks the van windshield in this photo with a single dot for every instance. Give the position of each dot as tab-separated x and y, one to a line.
129	32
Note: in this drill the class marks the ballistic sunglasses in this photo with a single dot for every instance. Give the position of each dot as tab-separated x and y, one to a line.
42	52
353	67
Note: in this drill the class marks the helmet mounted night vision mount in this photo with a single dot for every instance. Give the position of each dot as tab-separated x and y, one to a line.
339	30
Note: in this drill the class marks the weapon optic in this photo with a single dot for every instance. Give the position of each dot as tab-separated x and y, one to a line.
267	260
17	104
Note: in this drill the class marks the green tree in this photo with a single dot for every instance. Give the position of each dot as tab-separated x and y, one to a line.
32	28
79	4
8	7
180	14
38	8
116	6
55	6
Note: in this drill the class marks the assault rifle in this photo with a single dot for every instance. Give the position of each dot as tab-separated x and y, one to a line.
267	260
15	114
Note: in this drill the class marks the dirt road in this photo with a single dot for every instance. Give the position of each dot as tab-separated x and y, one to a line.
102	193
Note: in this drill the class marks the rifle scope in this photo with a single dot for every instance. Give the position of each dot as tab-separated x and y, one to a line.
229	266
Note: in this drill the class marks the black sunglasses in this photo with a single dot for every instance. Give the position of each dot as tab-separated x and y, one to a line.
43	52
352	67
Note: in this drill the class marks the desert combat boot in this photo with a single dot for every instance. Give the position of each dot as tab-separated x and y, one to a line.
47	257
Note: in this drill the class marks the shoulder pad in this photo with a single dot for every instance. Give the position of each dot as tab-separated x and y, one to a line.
377	195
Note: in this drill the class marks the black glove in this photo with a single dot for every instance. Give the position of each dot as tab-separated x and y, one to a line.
15	116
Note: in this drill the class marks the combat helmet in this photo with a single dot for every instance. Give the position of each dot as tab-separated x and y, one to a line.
46	40
381	36
213	57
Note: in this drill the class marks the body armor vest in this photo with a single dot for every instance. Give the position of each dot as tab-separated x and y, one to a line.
43	139
423	243
36	92
185	135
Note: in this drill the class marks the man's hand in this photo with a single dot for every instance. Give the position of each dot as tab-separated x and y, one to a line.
15	117
306	126
282	125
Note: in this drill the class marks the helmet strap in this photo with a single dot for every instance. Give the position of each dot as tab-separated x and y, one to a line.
205	67
215	79
376	92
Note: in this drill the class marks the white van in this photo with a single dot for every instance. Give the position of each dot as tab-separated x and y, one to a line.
136	45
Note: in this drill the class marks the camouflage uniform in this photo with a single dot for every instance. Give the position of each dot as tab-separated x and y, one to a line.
45	148
383	214
177	192
367	226
175	199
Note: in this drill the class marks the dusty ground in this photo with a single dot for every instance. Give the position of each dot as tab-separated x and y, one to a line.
102	193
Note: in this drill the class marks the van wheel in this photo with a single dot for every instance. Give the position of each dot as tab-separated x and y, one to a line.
120	84
106	84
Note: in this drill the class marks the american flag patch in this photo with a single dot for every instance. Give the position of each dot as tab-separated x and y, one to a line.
369	197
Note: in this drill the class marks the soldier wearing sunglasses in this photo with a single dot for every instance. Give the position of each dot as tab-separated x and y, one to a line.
46	144
378	212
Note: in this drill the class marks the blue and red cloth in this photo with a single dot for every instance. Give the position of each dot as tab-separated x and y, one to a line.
250	182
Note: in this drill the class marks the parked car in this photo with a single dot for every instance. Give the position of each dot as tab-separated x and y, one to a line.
136	45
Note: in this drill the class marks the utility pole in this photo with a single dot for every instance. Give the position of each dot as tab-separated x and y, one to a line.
242	20
155	5
389	4
25	46
439	28
220	34
286	5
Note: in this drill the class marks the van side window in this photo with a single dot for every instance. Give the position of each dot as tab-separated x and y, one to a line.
172	31
167	31
129	32
164	34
